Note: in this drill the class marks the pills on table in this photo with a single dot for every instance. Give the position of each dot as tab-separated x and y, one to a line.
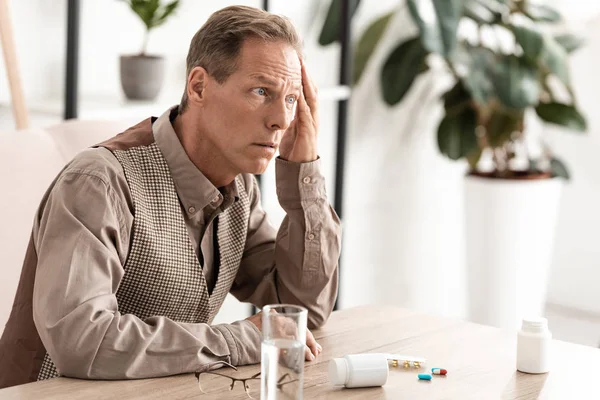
438	371
425	377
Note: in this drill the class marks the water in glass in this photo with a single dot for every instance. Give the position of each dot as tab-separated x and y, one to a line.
282	369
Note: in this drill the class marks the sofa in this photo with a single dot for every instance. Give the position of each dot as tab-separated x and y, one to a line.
29	161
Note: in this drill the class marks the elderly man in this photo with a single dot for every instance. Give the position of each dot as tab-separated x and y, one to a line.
139	239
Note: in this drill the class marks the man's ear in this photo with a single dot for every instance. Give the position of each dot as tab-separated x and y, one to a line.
196	84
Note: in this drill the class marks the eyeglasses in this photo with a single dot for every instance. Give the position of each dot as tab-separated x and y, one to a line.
213	381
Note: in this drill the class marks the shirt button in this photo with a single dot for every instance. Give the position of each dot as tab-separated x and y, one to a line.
192	209
306	179
216	199
311	236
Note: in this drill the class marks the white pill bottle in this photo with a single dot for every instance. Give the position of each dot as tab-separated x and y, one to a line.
359	370
533	346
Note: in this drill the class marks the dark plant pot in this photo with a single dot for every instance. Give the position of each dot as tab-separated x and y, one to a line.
142	76
513	175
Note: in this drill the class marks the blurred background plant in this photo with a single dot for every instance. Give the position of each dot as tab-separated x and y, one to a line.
514	61
153	14
142	75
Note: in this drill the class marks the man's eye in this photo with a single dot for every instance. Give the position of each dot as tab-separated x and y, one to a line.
291	100
260	91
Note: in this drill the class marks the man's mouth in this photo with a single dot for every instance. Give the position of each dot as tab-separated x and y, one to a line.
271	145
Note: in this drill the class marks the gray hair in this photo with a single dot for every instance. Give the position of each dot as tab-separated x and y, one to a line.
216	46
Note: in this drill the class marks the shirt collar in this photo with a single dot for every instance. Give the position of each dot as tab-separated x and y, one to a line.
194	189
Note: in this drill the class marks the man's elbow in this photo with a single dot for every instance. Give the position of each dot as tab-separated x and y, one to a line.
71	357
322	308
316	319
316	323
83	364
71	366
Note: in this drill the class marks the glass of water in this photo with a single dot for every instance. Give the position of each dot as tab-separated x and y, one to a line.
283	346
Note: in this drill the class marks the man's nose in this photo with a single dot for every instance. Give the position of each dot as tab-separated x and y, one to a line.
280	116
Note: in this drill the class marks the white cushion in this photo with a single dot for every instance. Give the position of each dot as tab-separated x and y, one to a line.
29	162
74	135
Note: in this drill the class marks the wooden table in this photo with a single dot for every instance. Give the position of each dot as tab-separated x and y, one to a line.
480	361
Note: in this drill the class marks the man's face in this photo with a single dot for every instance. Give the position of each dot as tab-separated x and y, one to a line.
247	115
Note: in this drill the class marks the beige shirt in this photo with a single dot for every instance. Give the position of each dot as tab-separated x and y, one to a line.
80	242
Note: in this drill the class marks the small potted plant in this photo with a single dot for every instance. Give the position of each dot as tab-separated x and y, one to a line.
510	63
142	74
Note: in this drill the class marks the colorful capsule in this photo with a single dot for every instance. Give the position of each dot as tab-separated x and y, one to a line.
425	377
438	371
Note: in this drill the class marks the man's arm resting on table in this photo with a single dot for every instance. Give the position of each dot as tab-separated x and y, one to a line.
298	264
79	244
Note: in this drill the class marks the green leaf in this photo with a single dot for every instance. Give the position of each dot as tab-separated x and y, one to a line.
478	12
485	11
559	169
400	69
368	43
438	22
153	6
456	97
331	28
456	135
554	57
543	49
474	157
533	166
164	13
540	12
563	115
477	80
516	82
501	126
497	6
145	9
569	42
530	40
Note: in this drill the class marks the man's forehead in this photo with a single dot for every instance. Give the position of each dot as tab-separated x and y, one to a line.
270	59
270	79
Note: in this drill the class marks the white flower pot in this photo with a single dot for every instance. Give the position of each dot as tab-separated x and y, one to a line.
510	229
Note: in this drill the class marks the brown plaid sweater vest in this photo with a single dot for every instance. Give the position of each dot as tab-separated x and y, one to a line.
163	276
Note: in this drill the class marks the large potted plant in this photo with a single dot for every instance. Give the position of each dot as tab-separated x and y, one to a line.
508	63
142	74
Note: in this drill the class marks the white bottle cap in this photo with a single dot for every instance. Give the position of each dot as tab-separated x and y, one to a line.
338	371
534	324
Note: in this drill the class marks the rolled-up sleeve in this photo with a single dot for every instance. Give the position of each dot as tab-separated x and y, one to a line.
81	240
299	263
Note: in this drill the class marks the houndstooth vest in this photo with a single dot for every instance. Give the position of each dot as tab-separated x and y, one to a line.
162	274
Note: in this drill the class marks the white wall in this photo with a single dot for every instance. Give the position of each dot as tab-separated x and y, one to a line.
39	33
403	224
575	280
